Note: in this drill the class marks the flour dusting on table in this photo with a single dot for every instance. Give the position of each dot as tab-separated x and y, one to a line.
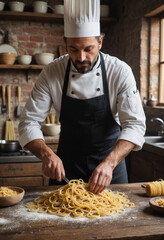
17	214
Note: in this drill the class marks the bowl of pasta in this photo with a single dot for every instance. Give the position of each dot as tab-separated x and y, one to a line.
157	203
10	195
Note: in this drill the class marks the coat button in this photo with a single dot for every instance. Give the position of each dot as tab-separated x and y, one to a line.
73	75
98	89
98	74
72	92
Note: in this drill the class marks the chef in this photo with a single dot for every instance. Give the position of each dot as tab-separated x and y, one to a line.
96	98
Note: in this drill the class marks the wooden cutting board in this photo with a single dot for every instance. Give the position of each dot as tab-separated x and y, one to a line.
140	222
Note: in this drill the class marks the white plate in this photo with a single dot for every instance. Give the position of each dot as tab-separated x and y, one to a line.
7	48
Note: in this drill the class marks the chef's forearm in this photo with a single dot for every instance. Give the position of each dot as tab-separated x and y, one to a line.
39	149
119	152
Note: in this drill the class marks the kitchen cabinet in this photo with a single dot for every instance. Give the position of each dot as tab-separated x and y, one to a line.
22	174
145	166
25	170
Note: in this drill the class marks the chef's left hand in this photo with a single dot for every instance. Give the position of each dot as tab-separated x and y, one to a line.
101	177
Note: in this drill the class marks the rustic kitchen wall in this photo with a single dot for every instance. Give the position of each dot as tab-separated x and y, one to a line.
27	38
128	40
123	39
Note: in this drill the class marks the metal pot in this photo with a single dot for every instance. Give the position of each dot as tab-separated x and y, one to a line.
9	146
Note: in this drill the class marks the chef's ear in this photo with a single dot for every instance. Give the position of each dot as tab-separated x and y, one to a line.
100	42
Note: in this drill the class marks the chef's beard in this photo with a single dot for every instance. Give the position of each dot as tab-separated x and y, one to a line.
84	68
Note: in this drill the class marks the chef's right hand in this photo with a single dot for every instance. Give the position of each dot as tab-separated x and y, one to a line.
52	165
53	168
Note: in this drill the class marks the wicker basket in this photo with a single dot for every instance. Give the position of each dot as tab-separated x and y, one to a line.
7	58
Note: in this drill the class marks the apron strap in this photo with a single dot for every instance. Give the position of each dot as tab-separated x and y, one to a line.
105	85
65	84
66	78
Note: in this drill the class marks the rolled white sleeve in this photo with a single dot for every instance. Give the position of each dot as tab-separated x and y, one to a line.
35	112
132	118
130	111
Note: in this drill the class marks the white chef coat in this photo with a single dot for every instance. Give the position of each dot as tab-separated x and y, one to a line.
124	97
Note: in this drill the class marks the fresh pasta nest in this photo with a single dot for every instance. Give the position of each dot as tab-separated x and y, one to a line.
155	188
10	195
5	192
160	202
75	199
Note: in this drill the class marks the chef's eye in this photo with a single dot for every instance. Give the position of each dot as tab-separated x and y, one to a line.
89	49
73	50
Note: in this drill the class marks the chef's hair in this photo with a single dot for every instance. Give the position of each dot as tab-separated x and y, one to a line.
101	35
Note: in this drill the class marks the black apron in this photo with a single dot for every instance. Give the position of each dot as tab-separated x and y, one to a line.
88	134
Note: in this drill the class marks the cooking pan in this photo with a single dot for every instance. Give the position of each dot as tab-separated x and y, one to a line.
9	146
6	47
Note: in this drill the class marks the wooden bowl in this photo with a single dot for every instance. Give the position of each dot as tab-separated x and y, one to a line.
153	204
7	58
12	200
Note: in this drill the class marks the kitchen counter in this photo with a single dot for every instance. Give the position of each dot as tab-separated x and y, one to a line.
51	139
153	149
19	159
140	222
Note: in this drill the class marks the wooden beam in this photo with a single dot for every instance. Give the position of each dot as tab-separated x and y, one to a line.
155	11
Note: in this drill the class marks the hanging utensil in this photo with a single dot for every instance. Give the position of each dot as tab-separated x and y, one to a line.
9	131
3	108
19	97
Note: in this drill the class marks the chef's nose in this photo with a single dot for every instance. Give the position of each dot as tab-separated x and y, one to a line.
81	56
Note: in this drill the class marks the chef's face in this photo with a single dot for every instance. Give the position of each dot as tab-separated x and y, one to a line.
83	52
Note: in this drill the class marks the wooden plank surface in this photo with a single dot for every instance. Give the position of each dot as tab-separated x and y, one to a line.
140	222
19	66
40	17
155	11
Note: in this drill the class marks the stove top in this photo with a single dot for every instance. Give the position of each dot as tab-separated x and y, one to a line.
18	153
20	156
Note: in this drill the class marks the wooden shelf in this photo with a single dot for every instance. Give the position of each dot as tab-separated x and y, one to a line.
40	17
36	17
19	66
31	16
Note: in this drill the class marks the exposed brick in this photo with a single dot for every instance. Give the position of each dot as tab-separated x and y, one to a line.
36	38
23	38
50	39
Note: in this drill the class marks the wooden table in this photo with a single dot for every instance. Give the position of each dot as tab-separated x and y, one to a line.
140	222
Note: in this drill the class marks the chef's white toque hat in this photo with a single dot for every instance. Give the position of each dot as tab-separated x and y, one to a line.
81	18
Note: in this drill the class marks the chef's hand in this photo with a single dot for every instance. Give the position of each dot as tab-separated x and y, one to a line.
52	167
101	177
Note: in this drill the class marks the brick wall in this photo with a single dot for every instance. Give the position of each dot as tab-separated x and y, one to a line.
122	39
27	38
128	40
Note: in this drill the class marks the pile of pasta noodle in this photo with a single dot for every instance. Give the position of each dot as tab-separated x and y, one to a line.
155	188
6	192
75	199
160	202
